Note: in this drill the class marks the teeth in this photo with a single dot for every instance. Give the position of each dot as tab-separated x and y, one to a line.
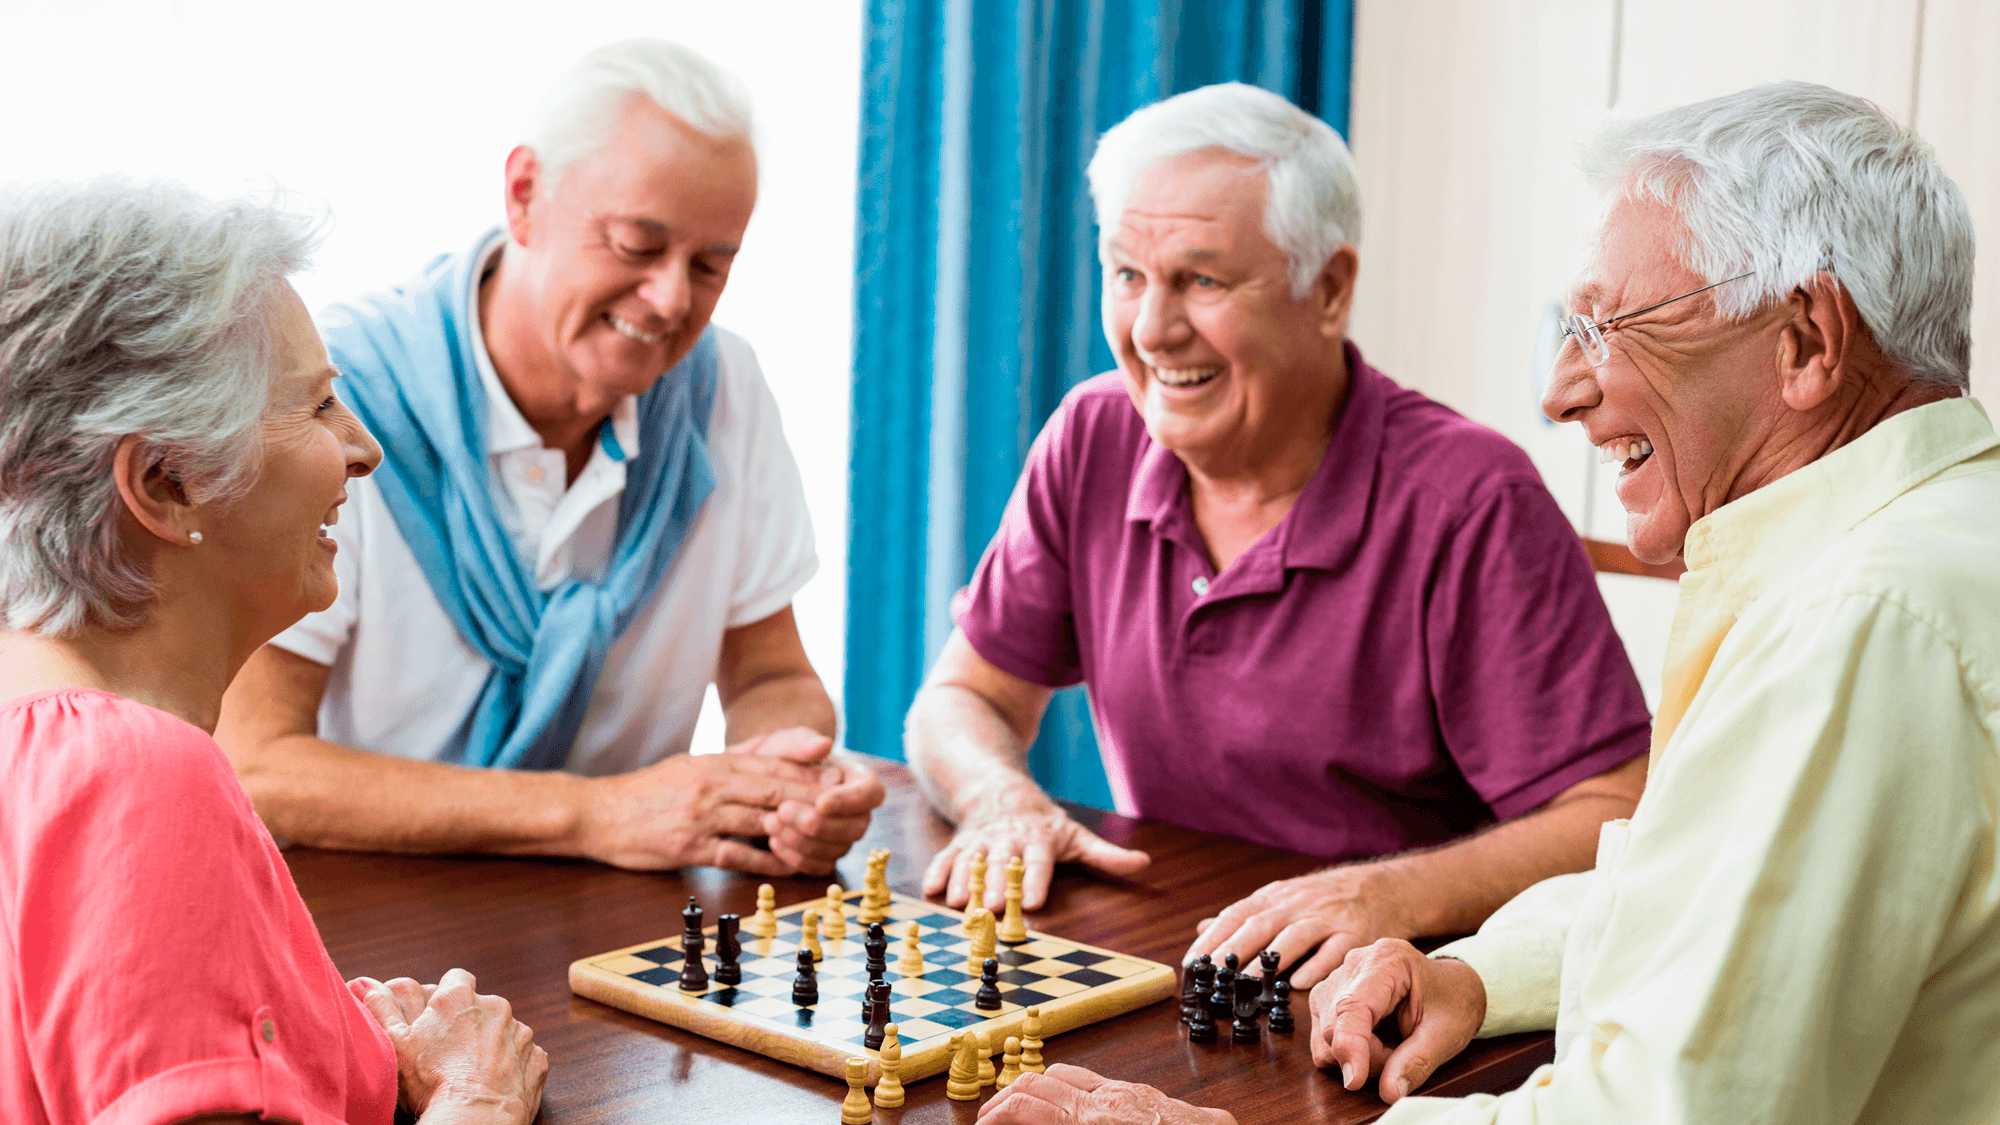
633	331
1619	452
1185	376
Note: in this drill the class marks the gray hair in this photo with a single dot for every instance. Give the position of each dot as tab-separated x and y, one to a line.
1312	205
125	308
1789	180
580	112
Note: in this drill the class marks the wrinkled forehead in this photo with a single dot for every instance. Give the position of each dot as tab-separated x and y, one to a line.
1211	197
1634	249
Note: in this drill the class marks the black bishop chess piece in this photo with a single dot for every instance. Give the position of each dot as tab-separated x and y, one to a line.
1193	992
987	999
727	950
805	987
1281	1008
1268	962
876	1015
694	977
1244	1028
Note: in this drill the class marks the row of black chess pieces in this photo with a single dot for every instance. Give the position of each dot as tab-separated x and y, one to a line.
1211	996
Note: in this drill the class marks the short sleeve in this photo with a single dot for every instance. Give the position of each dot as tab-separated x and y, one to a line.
777	556
1017	613
1533	688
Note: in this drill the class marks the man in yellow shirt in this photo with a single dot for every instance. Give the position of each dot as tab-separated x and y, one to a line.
1801	921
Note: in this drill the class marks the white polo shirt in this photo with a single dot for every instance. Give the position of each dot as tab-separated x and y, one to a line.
404	682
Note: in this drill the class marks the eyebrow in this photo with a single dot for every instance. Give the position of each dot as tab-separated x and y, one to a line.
659	229
1196	255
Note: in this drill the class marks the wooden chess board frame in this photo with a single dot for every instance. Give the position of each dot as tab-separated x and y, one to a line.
1073	984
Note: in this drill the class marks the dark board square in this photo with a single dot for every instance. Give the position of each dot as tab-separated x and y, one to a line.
1081	957
1026	997
661	976
955	1017
946	977
660	955
932	922
1089	977
726	997
804	1016
948	996
1015	957
1018	976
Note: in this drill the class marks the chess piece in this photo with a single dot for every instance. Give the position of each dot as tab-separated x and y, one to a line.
1268	962
694	977
805	986
987	999
764	923
1031	1041
855	1111
728	950
1013	930
876	944
979	927
912	964
889	1090
811	939
1281	1008
961	1082
987	1075
976	896
1010	1064
1197	978
1222	998
1244	1028
875	1013
1201	1025
875	889
833	920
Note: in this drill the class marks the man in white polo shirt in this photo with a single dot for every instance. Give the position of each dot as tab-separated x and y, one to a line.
587	514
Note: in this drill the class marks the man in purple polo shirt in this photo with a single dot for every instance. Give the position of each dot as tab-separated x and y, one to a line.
1314	609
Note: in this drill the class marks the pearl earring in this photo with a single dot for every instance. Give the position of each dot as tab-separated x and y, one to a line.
194	537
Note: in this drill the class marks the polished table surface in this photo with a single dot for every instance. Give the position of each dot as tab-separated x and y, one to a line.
517	924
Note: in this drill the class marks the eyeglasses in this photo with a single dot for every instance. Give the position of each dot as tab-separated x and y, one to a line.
1589	334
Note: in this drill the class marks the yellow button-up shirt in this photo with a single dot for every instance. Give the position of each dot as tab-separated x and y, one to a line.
1801	921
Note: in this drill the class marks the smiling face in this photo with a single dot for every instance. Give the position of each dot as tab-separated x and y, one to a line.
625	259
267	549
1688	402
1218	356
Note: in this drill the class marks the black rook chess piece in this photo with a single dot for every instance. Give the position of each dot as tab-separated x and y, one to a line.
727	950
987	999
694	977
1281	1008
1244	1029
805	987
1268	962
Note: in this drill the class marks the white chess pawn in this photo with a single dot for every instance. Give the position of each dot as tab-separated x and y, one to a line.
835	921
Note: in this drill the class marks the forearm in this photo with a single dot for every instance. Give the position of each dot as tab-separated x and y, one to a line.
965	756
326	795
777	703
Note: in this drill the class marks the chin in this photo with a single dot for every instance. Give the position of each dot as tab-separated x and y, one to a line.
1650	544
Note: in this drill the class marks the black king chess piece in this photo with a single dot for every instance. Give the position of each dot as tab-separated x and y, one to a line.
694	977
1281	1008
1244	1029
727	950
805	987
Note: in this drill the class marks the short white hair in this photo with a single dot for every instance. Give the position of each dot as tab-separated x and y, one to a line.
1789	180
580	112
1312	205
125	308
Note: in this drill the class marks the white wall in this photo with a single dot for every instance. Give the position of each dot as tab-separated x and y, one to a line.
396	116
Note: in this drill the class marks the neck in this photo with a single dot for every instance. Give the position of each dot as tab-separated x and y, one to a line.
1880	392
179	662
563	411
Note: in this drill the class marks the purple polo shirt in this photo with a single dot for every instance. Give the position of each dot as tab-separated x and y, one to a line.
1419	647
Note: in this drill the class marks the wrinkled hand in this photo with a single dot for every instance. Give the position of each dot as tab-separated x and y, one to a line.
1438	1004
1339	909
811	836
1042	838
1071	1095
457	1052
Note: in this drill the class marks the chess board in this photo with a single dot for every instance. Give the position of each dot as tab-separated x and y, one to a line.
1072	984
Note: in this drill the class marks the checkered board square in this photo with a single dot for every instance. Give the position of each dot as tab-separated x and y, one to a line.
1072	984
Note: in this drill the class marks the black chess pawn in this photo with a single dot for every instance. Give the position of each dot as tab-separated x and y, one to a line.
1268	962
1222	997
987	999
1244	1028
1281	1008
1201	1022
876	1015
727	950
805	988
694	977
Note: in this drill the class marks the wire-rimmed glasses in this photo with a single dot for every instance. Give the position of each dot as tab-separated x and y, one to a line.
1589	334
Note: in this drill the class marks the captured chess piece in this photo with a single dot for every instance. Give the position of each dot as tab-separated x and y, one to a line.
986	1072
1244	1029
1281	1008
961	1083
1268	962
1197	978
1013	930
764	923
979	927
805	986
855	1111
728	950
694	977
1031	1041
987	999
976	895
1010	1064
810	938
834	919
889	1090
912	964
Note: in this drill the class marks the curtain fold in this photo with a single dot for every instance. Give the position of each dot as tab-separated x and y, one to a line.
977	284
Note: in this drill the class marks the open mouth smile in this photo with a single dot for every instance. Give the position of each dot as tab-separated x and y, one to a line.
627	328
1632	453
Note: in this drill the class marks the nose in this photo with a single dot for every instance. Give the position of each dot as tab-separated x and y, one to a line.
668	290
364	453
1573	385
1162	324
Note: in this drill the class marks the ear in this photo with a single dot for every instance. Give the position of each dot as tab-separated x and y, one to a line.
152	496
1816	345
1333	292
524	181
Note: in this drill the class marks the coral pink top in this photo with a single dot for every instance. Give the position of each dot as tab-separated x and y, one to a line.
156	962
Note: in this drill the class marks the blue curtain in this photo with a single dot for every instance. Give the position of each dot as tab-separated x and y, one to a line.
976	284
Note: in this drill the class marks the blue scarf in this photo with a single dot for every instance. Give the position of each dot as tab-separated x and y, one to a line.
406	358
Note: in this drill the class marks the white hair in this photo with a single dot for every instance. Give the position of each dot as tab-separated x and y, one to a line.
1312	205
1789	180
126	308
580	112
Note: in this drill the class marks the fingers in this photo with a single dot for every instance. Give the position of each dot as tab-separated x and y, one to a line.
1075	1076
794	744
853	790
1036	1099
1366	991
735	855
937	876
1321	965
1038	867
764	782
375	997
1096	852
1223	928
1414	1059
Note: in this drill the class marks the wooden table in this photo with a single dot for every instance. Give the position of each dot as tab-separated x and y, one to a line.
517	924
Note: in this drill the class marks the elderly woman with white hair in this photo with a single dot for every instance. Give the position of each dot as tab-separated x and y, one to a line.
1802	921
1314	609
170	451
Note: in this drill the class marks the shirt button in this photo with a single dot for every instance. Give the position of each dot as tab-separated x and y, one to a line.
270	1031
534	474
1200	587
